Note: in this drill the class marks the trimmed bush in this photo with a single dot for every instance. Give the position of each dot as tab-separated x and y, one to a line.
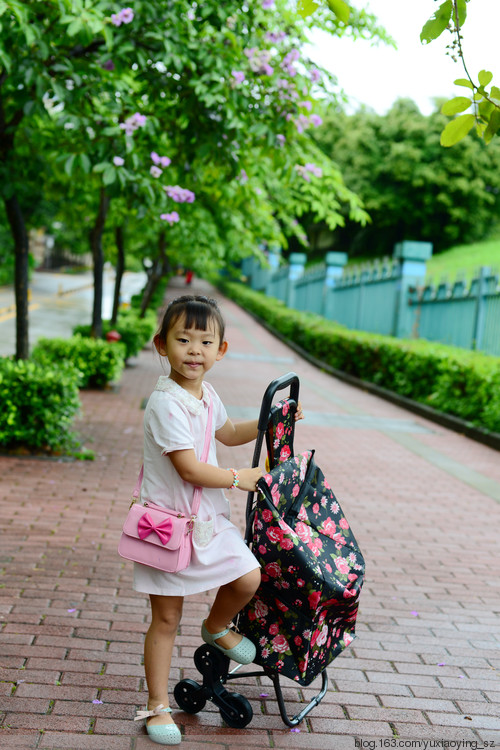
135	332
452	380
97	362
38	403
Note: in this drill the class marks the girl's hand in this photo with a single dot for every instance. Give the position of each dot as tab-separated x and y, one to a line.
299	414
249	479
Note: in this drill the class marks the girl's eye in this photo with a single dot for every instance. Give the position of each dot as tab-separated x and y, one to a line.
182	341
208	342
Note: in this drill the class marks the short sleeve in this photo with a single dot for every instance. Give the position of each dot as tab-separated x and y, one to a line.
219	412
169	424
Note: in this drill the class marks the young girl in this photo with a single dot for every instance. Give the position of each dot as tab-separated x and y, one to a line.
191	337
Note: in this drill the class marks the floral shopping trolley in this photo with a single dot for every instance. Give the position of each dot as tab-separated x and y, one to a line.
304	612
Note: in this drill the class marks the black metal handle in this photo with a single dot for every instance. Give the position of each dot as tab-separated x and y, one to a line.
290	379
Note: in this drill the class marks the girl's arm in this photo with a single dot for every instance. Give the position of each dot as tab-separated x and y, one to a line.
244	432
201	474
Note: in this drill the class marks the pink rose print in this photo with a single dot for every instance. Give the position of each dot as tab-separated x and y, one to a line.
352	576
342	565
285	453
329	527
348	594
267	515
281	606
300	582
322	637
328	567
297	640
303	532
286	407
348	639
261	609
314	599
286	543
343	523
262	549
273	569
296	490
302	514
275	494
273	630
280	644
268	479
275	534
315	508
280	430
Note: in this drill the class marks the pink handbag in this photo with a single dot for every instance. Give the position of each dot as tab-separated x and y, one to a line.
160	537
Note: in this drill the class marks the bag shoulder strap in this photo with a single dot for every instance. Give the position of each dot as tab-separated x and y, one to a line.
204	457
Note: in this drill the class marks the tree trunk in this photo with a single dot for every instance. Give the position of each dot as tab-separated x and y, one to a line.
98	260
120	268
159	269
21	244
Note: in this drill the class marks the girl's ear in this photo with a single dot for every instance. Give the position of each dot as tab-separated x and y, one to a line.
222	350
159	345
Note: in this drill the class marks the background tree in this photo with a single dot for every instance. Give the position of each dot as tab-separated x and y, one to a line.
208	82
411	187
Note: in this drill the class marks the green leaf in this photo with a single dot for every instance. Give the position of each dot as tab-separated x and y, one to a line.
484	77
495	93
68	166
109	175
341	10
438	23
75	27
456	130
307	7
462	11
464	82
493	126
456	105
85	163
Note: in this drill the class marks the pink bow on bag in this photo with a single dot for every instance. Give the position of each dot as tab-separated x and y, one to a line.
146	526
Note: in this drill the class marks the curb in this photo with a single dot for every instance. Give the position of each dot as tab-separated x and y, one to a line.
491	439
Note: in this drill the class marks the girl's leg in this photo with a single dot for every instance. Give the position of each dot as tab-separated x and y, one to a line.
230	599
166	614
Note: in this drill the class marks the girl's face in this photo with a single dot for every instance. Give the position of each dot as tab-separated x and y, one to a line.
191	353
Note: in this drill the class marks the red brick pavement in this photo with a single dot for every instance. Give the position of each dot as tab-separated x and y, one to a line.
424	505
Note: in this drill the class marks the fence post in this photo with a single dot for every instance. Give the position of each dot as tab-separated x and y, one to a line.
477	336
412	257
335	263
296	265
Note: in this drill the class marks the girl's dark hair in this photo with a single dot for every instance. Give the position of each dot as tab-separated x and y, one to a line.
199	312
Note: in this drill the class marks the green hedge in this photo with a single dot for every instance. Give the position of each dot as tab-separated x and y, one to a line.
135	332
451	380
97	362
37	405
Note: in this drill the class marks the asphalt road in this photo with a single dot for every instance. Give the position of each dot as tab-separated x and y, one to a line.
58	302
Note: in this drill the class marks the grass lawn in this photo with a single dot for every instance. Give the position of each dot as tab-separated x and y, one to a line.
464	260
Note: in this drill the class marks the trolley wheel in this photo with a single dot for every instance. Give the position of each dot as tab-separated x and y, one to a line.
237	712
189	696
211	663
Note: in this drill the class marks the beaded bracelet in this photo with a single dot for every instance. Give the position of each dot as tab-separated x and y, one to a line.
236	479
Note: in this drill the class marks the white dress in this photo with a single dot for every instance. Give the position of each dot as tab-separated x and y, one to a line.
175	420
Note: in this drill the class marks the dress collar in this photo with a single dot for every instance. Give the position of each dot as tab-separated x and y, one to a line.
194	405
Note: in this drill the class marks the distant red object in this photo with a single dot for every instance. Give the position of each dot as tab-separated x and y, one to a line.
189	277
113	336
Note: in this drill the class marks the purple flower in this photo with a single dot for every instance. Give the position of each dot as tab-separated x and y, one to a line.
316	120
108	65
242	177
118	161
172	218
307	105
156	171
178	194
97	702
165	161
266	4
238	76
133	122
315	75
126	15
276	36
281	139
156	159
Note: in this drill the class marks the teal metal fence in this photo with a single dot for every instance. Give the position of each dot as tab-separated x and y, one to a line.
389	297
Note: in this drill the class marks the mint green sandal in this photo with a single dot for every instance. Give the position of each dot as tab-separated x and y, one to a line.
244	652
162	734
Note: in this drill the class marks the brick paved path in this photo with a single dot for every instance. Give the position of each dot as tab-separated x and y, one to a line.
424	505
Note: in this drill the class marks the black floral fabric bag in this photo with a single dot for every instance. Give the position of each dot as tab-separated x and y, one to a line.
304	612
